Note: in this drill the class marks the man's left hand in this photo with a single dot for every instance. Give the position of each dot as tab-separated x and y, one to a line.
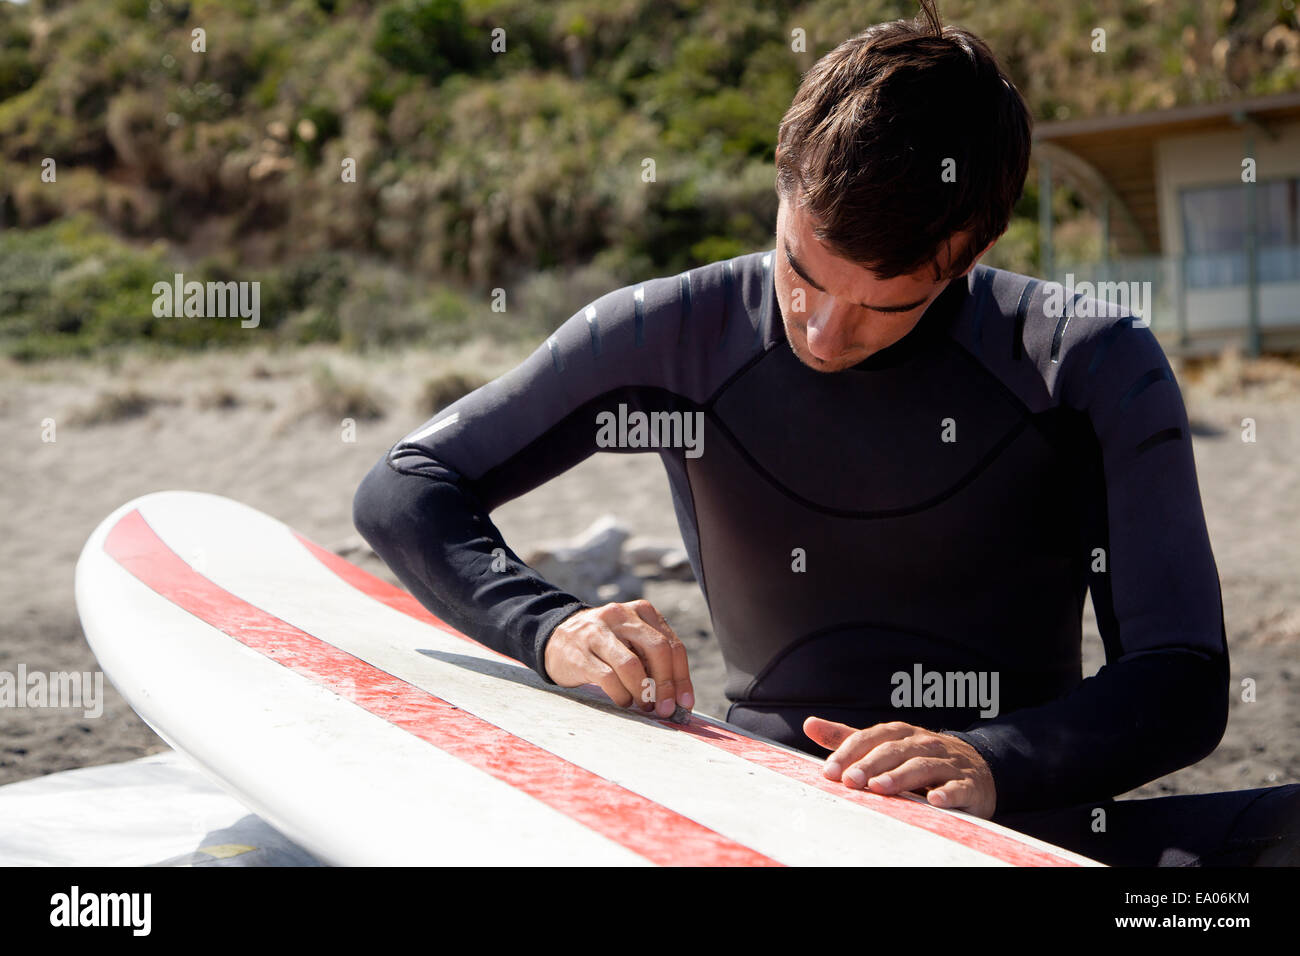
897	757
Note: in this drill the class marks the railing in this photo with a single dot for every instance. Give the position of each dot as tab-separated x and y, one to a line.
1206	299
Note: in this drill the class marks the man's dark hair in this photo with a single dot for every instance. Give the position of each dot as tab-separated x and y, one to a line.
864	140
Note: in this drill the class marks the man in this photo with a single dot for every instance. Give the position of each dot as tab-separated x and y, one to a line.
911	465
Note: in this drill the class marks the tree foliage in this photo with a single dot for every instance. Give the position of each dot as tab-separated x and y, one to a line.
482	166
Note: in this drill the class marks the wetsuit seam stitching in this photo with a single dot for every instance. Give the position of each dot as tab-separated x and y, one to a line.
980	466
731	379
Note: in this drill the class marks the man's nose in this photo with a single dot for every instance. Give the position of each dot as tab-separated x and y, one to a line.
828	331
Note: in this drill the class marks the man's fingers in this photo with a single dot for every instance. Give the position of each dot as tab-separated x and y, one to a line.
859	743
682	688
887	756
603	676
682	676
626	649
954	795
897	757
913	774
651	648
626	666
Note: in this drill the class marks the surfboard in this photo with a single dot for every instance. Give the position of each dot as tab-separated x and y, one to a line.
370	732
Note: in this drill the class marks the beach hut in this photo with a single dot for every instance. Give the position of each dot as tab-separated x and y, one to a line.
1202	202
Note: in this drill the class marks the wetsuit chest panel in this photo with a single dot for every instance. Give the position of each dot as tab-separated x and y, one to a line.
814	601
867	442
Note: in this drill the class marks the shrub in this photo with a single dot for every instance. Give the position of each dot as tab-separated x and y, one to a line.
338	398
117	406
428	37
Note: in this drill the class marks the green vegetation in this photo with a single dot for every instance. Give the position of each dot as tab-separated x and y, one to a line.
475	169
337	398
70	288
110	407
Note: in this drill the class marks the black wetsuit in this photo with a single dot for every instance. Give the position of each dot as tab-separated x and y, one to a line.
944	504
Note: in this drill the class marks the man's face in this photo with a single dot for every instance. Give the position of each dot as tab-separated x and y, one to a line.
838	313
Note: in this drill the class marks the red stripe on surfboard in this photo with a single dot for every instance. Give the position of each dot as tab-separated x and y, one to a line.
628	818
386	593
942	823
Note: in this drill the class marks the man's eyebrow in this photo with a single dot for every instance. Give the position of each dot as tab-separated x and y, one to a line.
802	273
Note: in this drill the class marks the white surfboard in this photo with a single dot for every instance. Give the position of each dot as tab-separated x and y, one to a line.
366	730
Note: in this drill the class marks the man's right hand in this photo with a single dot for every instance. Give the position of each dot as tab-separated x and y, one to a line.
628	650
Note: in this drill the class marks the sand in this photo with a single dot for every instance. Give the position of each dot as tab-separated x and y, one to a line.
255	427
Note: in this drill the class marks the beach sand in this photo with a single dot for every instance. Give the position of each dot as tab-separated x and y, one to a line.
259	427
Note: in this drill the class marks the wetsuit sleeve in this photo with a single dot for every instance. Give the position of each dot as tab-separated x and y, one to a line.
432	529
1160	702
424	508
